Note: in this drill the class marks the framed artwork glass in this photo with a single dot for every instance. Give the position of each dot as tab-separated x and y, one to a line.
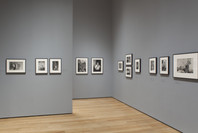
128	71
185	65
121	66
164	65
41	66
55	66
137	65
153	65
81	65
97	65
129	59
15	66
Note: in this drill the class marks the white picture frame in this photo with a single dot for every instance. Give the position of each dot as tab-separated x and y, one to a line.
129	59
97	66
164	65
55	65
120	66
81	66
128	72
15	66
153	65
137	65
41	66
185	65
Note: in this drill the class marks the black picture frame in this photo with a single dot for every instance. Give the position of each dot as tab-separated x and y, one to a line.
41	66
152	65
179	61
55	66
120	65
164	65
137	67
82	68
15	66
97	65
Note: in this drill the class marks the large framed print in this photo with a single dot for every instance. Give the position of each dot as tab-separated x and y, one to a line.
14	66
185	65
128	71
81	65
137	65
41	66
129	59
55	66
164	65
153	65
97	65
121	66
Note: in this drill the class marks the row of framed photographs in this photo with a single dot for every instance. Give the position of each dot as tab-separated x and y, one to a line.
18	66
185	65
82	66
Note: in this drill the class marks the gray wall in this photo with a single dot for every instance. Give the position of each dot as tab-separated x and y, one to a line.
92	38
157	28
36	29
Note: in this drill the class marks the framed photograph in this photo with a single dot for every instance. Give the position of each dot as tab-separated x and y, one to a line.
185	65
15	66
137	65
41	66
153	65
129	59
55	66
128	71
97	65
81	65
121	66
164	65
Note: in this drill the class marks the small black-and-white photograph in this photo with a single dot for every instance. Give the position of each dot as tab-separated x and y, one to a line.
164	65
55	65
185	65
81	65
97	65
41	66
15	66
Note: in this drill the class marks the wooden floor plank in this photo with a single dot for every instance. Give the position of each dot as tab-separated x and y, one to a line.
102	115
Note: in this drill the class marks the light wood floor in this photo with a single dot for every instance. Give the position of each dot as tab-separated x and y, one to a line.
103	115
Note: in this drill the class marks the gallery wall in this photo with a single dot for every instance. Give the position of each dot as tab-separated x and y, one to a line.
32	29
157	28
92	38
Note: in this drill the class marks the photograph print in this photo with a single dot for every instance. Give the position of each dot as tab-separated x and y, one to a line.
129	59
164	65
137	65
153	65
81	65
185	65
55	66
41	66
128	71
15	66
121	66
97	65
